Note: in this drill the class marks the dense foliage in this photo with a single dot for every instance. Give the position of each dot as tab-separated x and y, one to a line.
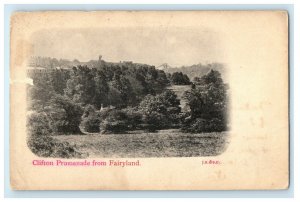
43	145
117	98
64	115
160	111
178	78
208	104
90	120
153	113
117	85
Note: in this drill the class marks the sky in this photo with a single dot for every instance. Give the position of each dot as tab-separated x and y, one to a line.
176	46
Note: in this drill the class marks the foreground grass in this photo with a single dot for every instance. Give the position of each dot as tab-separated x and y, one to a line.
164	143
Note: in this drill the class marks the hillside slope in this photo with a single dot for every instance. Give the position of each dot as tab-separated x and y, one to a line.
198	70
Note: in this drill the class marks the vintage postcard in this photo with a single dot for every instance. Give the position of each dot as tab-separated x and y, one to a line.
149	100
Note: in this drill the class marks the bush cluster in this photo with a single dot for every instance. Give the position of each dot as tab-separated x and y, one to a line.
153	113
208	105
46	146
40	141
200	125
90	120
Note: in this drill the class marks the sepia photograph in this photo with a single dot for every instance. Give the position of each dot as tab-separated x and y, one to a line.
149	100
148	93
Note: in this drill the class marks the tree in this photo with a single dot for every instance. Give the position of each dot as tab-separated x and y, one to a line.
114	97
90	119
59	80
123	85
41	143
161	110
115	121
208	99
172	105
208	102
162	81
178	78
42	89
64	115
81	87
134	118
101	89
38	124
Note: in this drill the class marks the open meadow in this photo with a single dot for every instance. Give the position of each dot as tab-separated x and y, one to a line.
164	143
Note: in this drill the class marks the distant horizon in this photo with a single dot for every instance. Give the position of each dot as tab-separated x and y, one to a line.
95	59
177	46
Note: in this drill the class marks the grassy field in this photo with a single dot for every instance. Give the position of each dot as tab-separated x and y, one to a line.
164	143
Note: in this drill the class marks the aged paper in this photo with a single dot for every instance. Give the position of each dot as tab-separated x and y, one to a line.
248	149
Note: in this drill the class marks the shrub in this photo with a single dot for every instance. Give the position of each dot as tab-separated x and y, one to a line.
160	111
208	99
154	121
45	146
64	115
217	125
178	78
208	104
41	143
134	118
38	124
90	124
200	125
114	122
90	120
